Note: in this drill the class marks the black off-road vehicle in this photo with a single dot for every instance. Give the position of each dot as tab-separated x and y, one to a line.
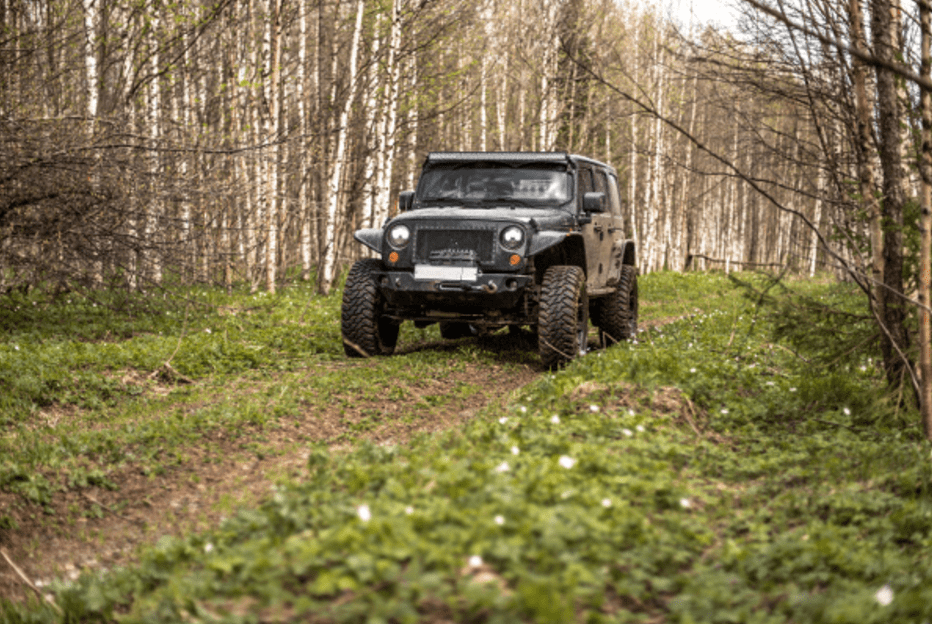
494	239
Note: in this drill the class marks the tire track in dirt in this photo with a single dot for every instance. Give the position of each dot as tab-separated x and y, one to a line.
97	528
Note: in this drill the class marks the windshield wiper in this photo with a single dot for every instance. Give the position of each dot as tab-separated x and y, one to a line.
441	200
510	200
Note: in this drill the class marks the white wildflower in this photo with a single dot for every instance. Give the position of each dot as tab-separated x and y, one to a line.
475	561
515	450
593	408
884	596
567	461
685	503
208	547
409	510
499	520
503	467
606	502
692	370
555	419
724	411
792	389
846	411
206	330
363	512
502	420
640	428
522	409
627	433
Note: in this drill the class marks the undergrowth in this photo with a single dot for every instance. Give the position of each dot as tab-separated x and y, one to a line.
704	473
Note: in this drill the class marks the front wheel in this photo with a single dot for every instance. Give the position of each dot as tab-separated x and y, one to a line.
366	331
563	317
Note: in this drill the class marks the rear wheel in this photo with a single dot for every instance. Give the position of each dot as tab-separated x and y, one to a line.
616	315
366	330
563	317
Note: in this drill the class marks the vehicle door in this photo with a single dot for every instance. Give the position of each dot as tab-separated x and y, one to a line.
596	233
617	231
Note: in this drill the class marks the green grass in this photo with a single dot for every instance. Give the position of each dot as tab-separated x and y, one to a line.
705	473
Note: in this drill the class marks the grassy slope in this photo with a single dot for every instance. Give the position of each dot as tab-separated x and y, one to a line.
704	474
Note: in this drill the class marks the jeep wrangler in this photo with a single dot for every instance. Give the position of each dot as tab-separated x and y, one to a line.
495	239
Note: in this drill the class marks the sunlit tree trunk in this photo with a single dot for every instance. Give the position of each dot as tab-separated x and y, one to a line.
373	134
153	260
274	126
925	253
91	17
390	121
501	107
412	122
303	93
336	175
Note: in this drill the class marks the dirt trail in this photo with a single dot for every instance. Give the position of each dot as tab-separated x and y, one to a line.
98	528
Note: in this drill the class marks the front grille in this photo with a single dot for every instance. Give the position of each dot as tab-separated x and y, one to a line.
454	246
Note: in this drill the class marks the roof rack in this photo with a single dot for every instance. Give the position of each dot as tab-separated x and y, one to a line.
503	157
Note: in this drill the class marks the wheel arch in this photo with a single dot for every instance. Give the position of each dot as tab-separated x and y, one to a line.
570	252
629	256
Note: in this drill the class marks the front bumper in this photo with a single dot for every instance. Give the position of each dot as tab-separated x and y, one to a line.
488	291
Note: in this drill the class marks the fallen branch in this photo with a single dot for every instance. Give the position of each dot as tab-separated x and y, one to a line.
565	355
25	579
111	510
355	347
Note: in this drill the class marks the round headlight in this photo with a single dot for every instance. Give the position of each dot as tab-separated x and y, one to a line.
399	236
512	237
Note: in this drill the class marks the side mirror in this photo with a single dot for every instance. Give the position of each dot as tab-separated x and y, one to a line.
594	202
405	200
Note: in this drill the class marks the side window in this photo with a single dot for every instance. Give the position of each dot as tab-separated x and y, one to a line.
601	184
614	199
585	184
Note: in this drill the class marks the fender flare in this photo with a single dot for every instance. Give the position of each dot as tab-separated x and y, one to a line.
371	238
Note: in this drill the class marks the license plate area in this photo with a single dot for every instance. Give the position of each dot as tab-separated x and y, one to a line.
423	272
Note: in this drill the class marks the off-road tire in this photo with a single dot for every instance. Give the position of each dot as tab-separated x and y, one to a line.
452	330
366	331
563	317
616	315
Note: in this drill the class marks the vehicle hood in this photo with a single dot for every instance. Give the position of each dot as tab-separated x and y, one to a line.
538	219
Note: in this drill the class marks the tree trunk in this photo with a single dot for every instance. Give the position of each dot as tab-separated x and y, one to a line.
390	121
865	144
894	341
925	253
274	125
152	260
336	175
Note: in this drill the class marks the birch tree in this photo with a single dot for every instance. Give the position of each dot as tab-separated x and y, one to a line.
335	196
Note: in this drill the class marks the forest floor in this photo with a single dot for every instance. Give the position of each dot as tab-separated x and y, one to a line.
223	460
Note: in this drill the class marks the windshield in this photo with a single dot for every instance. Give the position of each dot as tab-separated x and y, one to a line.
498	184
